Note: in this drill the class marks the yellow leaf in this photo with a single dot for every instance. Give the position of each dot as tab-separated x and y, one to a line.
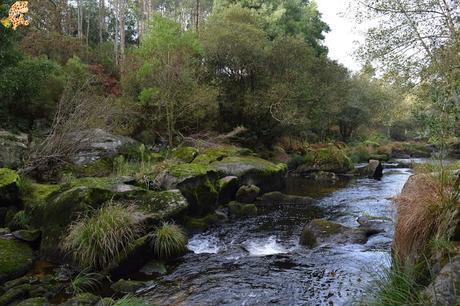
6	22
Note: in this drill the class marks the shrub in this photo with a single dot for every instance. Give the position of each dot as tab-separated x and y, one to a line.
295	161
330	156
169	240
97	240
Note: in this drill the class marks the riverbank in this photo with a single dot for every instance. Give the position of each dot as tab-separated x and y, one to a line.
195	187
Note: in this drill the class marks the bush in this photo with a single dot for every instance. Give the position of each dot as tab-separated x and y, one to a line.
169	240
97	240
331	158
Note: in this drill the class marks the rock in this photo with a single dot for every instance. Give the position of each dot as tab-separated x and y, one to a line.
228	186
126	286
83	299
12	149
372	226
4	231
238	209
319	231
13	295
276	198
373	170
100	144
185	154
253	171
445	287
322	176
247	194
9	188
138	253
37	301
154	267
16	258
210	155
27	235
201	224
198	184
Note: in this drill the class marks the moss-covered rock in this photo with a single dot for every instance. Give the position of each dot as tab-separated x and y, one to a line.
185	154
323	231
209	155
201	224
16	258
83	299
330	159
247	193
277	198
126	286
253	171
9	187
198	184
13	295
38	194
37	301
228	186
99	168
238	209
27	235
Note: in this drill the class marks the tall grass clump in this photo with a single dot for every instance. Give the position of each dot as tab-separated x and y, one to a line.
85	281
392	286
169	240
97	240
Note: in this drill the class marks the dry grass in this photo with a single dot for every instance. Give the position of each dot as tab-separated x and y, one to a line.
426	211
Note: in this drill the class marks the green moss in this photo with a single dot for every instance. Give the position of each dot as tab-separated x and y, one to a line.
160	204
185	154
242	210
37	301
330	159
99	168
201	224
15	259
188	170
210	155
138	152
84	299
38	194
262	165
19	221
8	177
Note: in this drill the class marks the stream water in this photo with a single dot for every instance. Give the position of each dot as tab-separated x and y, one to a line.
258	261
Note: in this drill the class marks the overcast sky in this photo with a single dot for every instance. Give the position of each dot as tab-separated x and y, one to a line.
345	35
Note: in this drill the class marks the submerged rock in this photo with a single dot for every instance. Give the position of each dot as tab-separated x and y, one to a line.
247	194
372	225
373	170
238	209
16	258
278	198
319	231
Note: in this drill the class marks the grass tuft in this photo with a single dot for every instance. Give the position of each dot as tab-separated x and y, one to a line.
97	240
85	281
169	240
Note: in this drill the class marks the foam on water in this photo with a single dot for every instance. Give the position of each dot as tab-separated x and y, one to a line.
200	244
265	247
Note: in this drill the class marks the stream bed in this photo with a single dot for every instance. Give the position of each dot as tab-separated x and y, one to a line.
258	261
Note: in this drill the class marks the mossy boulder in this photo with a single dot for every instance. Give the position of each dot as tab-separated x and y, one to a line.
201	224
210	155
247	193
9	187
16	258
238	209
319	231
330	159
228	186
37	301
277	198
27	235
126	286
38	194
198	184
185	154
83	299
253	171
99	168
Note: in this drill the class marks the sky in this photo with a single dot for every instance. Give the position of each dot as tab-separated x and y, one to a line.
345	35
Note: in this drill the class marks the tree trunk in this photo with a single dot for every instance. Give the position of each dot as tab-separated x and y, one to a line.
197	16
101	21
122	33
79	19
115	38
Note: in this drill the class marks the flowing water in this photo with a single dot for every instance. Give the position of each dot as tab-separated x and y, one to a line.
258	261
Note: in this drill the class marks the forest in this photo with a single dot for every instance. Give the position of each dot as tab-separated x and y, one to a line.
137	135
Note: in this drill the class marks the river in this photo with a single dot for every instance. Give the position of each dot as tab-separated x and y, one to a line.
258	261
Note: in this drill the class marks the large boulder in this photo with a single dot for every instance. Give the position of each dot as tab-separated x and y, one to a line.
16	258
9	187
253	171
99	144
228	186
247	194
198	183
12	149
57	206
374	169
277	198
446	286
320	231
